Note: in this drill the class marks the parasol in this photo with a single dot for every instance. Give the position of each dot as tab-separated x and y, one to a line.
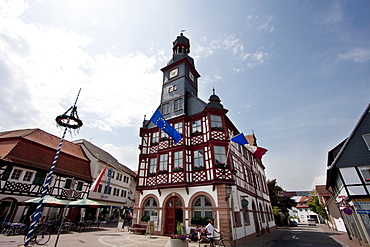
87	203
49	201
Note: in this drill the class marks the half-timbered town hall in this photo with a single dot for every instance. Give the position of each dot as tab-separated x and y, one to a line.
204	175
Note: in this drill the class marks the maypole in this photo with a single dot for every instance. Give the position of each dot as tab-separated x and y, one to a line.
69	121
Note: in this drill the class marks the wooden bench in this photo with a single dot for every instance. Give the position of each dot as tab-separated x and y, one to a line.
138	228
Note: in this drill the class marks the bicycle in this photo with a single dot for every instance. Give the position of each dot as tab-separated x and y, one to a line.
223	242
218	241
40	235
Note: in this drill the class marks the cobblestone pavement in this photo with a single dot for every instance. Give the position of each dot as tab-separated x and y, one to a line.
105	237
110	237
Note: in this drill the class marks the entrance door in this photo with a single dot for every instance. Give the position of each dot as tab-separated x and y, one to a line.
174	214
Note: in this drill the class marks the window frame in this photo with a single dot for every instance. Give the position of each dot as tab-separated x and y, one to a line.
216	121
178	104
163	162
219	154
178	127
155	138
165	108
152	165
16	174
204	210
198	158
177	160
196	126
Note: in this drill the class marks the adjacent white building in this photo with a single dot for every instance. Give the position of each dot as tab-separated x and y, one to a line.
116	188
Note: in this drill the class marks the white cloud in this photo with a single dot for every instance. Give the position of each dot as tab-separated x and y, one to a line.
236	46
358	55
126	155
261	24
266	24
47	65
319	180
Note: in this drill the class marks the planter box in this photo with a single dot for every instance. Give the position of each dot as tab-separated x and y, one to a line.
221	165
177	243
177	169
162	172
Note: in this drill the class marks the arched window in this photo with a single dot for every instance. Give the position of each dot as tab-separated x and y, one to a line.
150	209
202	209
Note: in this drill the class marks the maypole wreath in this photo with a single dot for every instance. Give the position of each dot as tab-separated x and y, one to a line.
69	121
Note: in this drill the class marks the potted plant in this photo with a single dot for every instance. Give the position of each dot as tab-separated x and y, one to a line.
145	218
178	239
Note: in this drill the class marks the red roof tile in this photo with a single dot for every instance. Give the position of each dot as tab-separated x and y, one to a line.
36	148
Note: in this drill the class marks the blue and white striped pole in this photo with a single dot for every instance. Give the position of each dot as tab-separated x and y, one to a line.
37	213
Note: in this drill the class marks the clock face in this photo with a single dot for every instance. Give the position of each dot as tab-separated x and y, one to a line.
174	72
191	76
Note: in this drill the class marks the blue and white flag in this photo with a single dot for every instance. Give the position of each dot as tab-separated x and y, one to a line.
159	120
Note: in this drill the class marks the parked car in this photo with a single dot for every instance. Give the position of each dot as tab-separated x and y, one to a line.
311	222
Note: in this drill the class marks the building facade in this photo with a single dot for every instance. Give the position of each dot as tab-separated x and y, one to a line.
25	159
203	176
304	212
116	188
348	177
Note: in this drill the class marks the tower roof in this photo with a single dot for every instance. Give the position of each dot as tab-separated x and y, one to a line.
181	49
181	40
215	102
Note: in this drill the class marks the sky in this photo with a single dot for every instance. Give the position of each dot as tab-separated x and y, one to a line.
294	72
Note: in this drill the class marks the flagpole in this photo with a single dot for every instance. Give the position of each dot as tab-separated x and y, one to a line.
37	214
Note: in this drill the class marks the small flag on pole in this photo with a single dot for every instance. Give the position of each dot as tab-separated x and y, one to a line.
258	152
96	183
159	120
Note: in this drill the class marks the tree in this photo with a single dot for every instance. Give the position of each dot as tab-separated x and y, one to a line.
317	207
280	204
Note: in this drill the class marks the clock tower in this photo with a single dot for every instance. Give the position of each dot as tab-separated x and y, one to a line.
204	175
180	80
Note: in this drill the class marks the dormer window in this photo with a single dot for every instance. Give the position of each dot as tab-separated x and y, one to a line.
165	108
178	104
367	139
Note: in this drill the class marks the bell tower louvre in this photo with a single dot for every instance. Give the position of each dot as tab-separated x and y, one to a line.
204	175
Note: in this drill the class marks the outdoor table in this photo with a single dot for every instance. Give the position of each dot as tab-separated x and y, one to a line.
13	228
